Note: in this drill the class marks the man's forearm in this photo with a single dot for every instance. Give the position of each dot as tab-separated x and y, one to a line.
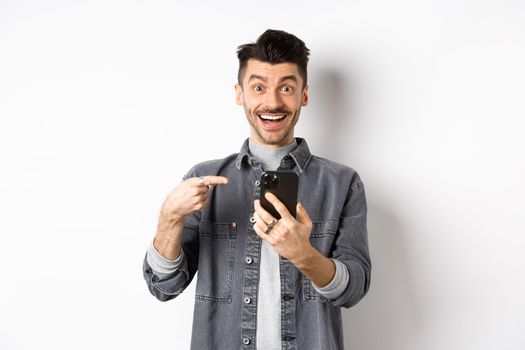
168	237
338	284
161	266
317	267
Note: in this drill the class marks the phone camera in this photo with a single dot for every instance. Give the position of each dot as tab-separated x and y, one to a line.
270	180
275	180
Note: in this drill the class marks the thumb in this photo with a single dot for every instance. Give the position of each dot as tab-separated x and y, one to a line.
304	218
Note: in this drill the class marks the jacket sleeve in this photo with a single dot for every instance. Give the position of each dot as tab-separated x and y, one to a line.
171	286
351	245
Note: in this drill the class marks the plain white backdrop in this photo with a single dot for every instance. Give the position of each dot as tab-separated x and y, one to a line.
104	105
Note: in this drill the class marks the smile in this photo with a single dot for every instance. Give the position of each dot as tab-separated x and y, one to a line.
272	117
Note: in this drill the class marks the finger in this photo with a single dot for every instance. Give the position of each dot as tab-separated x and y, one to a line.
201	196
215	180
278	205
200	203
259	222
208	181
265	236
267	217
257	218
202	190
304	218
196	192
204	197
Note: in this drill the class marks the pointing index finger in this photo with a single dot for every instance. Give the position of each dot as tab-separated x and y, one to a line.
215	180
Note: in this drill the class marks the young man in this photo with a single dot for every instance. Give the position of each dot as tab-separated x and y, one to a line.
265	283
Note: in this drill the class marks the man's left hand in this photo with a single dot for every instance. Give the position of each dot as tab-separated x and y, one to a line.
289	237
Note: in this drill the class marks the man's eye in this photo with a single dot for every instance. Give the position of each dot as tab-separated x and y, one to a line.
287	89
258	88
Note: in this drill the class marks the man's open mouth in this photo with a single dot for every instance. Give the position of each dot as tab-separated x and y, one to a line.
270	117
272	121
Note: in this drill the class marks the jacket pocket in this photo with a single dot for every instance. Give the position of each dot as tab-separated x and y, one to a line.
322	238
216	261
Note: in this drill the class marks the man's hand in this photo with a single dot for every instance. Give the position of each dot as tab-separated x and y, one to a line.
290	238
188	197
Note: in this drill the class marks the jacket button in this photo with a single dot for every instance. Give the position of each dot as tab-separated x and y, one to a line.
252	220
257	183
247	300
248	260
246	340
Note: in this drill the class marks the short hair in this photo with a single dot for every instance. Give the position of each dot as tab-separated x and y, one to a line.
274	46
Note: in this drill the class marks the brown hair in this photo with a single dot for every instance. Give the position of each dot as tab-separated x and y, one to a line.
274	46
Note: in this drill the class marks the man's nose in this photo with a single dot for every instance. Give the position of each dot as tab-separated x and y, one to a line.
274	99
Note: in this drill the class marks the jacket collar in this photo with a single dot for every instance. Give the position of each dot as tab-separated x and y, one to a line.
300	155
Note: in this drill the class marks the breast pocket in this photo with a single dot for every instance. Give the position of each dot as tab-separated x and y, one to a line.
216	261
322	238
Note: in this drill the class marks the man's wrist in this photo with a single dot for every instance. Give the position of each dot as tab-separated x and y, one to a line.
315	266
304	260
170	218
167	245
336	287
161	266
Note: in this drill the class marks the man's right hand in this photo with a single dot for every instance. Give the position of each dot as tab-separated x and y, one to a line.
188	197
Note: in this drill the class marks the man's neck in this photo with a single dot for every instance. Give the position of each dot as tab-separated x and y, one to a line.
270	157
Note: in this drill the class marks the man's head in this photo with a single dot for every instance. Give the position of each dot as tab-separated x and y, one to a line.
275	46
272	85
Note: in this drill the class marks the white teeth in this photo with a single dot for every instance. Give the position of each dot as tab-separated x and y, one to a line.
272	117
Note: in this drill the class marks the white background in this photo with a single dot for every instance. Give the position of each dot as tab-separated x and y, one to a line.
104	105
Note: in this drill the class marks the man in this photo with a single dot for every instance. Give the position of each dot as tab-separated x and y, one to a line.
265	283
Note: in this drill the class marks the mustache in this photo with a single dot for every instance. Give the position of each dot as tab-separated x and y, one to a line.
273	111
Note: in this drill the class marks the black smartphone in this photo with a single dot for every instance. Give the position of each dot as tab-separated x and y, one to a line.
284	185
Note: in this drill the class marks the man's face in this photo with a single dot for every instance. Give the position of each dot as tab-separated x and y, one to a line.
272	96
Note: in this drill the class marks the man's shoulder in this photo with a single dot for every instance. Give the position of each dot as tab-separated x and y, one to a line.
212	167
335	170
330	165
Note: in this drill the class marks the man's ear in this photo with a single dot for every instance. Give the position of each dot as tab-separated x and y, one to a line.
304	101
238	94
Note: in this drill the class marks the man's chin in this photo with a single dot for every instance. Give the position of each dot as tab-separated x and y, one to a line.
277	141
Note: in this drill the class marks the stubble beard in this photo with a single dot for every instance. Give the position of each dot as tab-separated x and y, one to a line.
253	125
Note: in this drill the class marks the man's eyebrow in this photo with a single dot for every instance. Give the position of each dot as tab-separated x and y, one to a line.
255	76
288	77
283	79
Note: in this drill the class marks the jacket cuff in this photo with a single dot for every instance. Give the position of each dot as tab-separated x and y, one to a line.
338	284
161	266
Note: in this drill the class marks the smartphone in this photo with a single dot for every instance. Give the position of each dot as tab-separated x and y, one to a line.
284	185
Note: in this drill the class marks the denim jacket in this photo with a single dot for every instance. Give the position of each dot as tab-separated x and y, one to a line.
220	243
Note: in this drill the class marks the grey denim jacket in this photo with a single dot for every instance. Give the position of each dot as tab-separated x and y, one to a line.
220	243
